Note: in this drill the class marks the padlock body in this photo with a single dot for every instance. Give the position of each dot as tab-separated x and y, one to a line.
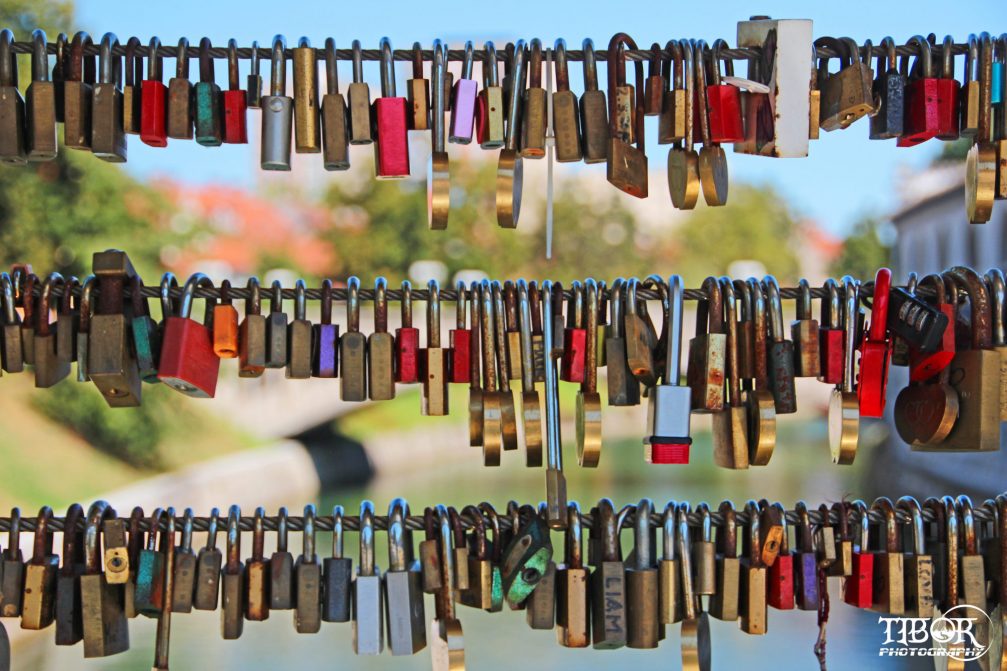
948	91
460	355
725	114
108	139
391	152
463	111
277	122
154	113
407	355
922	112
235	117
188	363
40	114
209	121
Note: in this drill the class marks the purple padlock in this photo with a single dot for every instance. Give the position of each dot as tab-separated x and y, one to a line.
325	343
463	102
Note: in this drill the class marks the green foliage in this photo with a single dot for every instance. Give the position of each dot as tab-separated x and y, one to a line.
129	434
23	16
755	225
863	252
952	152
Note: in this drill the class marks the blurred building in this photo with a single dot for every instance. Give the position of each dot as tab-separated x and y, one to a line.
933	233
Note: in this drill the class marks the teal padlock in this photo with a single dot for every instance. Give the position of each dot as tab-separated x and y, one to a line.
526	558
209	111
146	335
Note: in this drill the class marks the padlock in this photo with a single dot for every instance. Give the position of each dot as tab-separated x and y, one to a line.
108	139
257	573
149	595
641	341
573	614
707	352
208	563
948	94
447	649
105	629
359	102
337	572
391	151
39	598
830	336
438	167
671	125
380	349
225	324
489	115
917	323
335	139
407	340
683	161
918	565
27	302
922	102
846	95
844	404
889	89
299	335
68	320
145	331
184	569
566	120
531	407
996	285
12	578
695	623
235	101
461	340
670	403
588	406
804	332
510	169
730	426
875	351
325	343
970	90
533	114
368	630
154	99
40	104
572	365
353	349
723	100
77	92
627	165
307	133
49	367
418	93
479	593
280	594
276	329
180	112
493	293
252	334
724	603
593	111
712	158
188	363
805	561
643	623
207	107
780	577
623	388
858	588
402	586
434	359
753	574
277	113
526	556
608	582
463	102
253	81
11	354
232	581
69	627
889	589
111	363
781	352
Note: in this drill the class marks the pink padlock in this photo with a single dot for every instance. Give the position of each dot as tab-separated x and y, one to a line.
463	102
391	151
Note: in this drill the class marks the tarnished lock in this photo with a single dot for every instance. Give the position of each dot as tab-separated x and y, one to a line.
573	615
695	622
643	624
154	99
805	336
418	92
846	95
948	94
391	151
724	603
627	165
368	627
105	629
359	101
108	139
39	598
566	121
889	90
753	582
68	320
40	104
513	359
706	373
981	162
404	610
526	557
730	426
438	167
780	578
888	591
277	112
50	368
841	565
435	359
972	571
69	627
712	158
918	565
703	556
922	103
134	545
77	93
969	124
12	573
508	410
281	567
641	339
180	112
149	595
831	336
608	582
252	334
188	363
669	595
256	597
533	114
276	329
353	349
510	169
184	569
593	111
479	592
670	403
781	352
671	125
60	68
380	349
447	649
25	298
489	412
234	100
588	407
207	108
11	353
335	132
208	563
232	581
111	363
653	94
299	334
225	324
683	161
463	102
489	116
325	340
531	408
573	362
757	395
307	133
337	572
145	331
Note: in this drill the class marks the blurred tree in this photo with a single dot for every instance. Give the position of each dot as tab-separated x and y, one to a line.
756	224
952	152
864	250
24	16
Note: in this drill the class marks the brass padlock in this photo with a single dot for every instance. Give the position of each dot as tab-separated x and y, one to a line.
77	91
111	361
627	165
593	110
108	139
566	121
40	104
12	140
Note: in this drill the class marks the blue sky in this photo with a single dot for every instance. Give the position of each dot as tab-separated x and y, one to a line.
845	175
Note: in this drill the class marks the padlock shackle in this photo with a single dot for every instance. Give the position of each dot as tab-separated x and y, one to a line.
727	533
572	549
642	549
491	75
353	304
889	56
803	300
366	568
434	314
358	62
406	304
963	507
380	305
282	528
233	563
535	63
445	596
685	561
7	287
879	308
187	529
80	70
493	519
438	68
468	59
775	307
326	302
96	514
254	60
462	304
688	85
850	327
996	285
912	507
706	522
154	525
499	332
754	541
155	62
168	281
387	68
399	542
591	324
53	280
891	540
206	74
67	301
733	346
331	69
979	299
804	535
43	536
517	82
71	535
278	67
831	314
253	304
300	300
668	536
258	534
478	531
212	527
860	543
195	281
308	536
338	535
109	65
40	57
616	67
924	59
561	66
182	59
232	65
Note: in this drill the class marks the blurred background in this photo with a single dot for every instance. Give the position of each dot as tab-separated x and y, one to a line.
853	206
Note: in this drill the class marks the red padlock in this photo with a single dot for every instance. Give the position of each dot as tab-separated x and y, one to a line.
858	588
154	100
925	365
573	364
780	579
235	101
723	101
407	341
831	336
391	151
922	108
948	90
875	351
461	342
188	363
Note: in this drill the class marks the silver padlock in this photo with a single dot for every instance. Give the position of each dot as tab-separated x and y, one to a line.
277	113
407	633
668	411
367	620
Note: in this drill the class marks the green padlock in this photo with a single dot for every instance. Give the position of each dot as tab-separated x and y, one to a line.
526	558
